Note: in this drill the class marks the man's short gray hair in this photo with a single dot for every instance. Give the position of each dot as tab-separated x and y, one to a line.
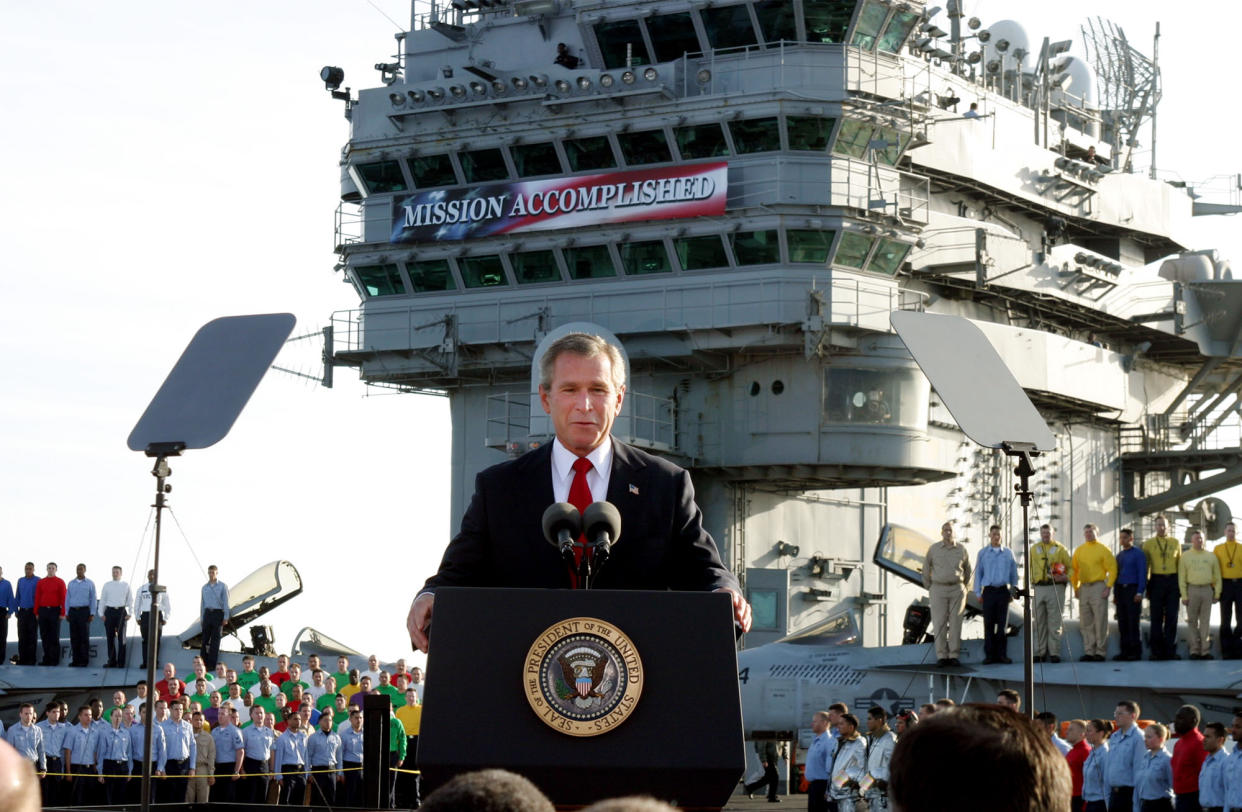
586	345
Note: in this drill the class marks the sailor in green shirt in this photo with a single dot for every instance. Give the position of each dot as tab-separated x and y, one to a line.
396	751
342	672
202	694
1198	576
295	678
248	678
1163	553
267	696
328	700
385	687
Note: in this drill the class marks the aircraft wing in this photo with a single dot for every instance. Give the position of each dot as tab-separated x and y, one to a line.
1216	677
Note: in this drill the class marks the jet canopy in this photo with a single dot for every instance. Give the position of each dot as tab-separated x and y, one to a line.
257	594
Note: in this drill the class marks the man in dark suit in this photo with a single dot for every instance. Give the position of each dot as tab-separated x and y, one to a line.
662	544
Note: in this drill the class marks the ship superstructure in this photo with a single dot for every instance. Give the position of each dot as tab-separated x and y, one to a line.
742	192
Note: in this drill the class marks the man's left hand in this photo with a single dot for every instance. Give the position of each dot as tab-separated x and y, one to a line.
741	609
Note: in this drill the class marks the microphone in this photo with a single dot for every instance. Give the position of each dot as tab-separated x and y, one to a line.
602	523
562	523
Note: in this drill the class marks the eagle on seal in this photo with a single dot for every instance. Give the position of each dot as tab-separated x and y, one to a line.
584	679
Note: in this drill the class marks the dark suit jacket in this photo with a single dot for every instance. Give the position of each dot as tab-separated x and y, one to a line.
662	544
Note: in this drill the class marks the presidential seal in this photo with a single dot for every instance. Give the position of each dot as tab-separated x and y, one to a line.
583	676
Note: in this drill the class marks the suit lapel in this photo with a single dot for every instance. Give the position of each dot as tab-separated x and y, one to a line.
628	478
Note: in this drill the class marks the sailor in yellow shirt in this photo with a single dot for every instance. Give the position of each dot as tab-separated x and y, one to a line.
1198	576
1050	565
1094	571
1163	553
1229	554
411	716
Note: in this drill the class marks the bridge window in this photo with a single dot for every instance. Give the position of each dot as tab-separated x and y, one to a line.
638	258
593	152
672	36
809	246
482	165
589	262
701	141
810	133
482	272
827	20
894	396
777	20
728	26
853	250
898	29
888	257
432	170
763	606
701	253
889	155
853	138
621	43
646	147
383	176
380	280
756	135
535	159
535	266
869	23
756	247
429	275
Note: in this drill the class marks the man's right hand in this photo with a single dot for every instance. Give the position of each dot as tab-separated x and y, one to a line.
419	620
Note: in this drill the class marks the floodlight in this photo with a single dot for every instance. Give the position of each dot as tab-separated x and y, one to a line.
479	88
984	35
786	549
562	86
1059	63
499	87
397	99
332	77
651	74
584	82
519	83
975	58
993	66
704	76
416	96
436	94
458	91
628	77
607	81
1059	47
1002	45
539	80
974	23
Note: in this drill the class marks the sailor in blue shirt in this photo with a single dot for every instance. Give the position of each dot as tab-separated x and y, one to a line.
214	611
27	620
291	762
81	753
818	763
27	738
996	571
230	750
258	741
1128	594
181	750
351	759
54	731
323	753
1212	773
80	600
8	604
1125	748
1153	776
1233	768
1094	784
113	762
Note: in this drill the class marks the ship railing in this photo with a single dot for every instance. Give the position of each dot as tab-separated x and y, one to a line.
794	63
870	188
348	225
859	303
513	425
1135	298
1184	431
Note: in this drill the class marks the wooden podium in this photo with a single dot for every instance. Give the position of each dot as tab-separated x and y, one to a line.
680	740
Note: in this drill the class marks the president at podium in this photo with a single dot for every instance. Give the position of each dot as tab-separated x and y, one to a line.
662	544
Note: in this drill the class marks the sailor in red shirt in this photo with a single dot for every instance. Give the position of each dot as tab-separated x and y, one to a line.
1188	756
282	670
1076	735
50	595
169	688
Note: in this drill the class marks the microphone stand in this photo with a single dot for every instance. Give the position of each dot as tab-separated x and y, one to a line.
584	567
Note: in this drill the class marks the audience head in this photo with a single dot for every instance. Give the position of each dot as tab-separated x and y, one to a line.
488	791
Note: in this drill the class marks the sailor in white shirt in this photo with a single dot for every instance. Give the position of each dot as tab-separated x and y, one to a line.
880	744
142	607
115	598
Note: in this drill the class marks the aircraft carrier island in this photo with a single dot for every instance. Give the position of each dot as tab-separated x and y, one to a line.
742	193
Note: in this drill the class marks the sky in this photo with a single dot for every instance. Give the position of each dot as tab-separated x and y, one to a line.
171	163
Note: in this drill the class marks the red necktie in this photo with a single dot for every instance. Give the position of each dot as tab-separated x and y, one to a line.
579	497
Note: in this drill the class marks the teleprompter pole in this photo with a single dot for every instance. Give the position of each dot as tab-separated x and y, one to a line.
1024	471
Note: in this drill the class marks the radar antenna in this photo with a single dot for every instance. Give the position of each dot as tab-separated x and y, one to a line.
1129	88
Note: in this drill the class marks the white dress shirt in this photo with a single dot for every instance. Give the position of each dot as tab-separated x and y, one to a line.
115	595
597	478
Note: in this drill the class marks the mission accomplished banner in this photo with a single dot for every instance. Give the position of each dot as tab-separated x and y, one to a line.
585	200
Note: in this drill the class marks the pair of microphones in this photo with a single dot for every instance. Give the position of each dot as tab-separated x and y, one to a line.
600	523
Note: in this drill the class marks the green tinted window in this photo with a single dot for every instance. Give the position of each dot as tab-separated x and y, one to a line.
380	280
700	253
756	247
776	20
827	20
809	246
728	26
482	272
853	138
589	262
672	36
483	165
535	159
756	135
535	266
869	23
647	147
809	132
432	170
384	176
892	152
888	256
897	31
589	153
639	258
619	38
429	275
853	249
701	141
